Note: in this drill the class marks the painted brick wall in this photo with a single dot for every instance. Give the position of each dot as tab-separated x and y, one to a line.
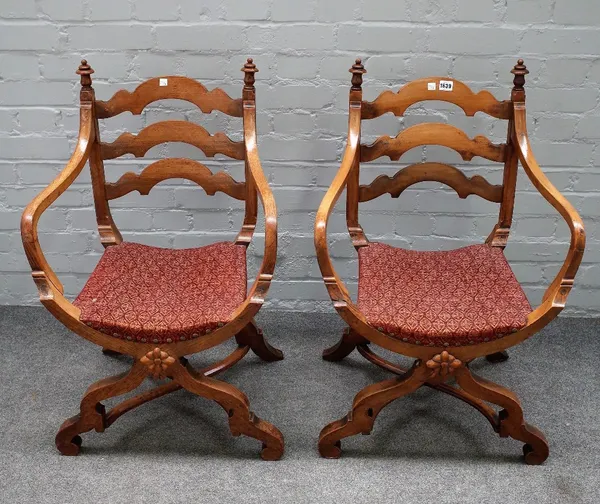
303	50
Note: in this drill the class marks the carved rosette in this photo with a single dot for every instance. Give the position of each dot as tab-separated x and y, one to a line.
157	361
443	364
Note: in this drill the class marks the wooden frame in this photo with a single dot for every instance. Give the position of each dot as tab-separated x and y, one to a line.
433	366
164	360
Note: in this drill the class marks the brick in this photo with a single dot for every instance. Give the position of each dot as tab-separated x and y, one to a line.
28	37
292	10
37	120
110	37
148	65
380	38
331	11
560	100
386	67
294	149
109	10
565	12
555	128
294	123
19	67
588	127
154	11
34	148
171	220
381	10
473	40
565	72
214	37
299	96
105	65
482	10
297	67
133	220
529	11
299	37
62	10
18	9
432	11
35	93
257	11
554	41
8	121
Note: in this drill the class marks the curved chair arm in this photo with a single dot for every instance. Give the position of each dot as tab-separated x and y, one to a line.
41	271
262	283
336	288
556	295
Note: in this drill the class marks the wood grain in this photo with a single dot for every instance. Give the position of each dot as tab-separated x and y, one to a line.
180	88
431	172
417	91
445	135
184	168
173	131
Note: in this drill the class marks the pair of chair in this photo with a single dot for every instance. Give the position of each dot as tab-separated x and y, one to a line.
443	309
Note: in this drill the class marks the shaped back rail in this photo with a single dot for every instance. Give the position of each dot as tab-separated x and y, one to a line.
440	89
171	87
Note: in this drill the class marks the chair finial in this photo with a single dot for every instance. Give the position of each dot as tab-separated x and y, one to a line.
357	72
249	70
85	71
519	71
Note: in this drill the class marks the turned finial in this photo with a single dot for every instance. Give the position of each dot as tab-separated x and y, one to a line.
519	71
249	70
357	72
85	71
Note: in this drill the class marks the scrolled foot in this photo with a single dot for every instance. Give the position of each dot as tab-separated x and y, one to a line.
68	442
247	423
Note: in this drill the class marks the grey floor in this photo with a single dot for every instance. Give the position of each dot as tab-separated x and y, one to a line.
425	448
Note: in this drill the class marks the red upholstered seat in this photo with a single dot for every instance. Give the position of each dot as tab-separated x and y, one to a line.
458	297
157	295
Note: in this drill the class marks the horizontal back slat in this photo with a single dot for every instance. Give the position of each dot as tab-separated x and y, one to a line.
429	89
173	131
430	172
176	168
173	87
433	134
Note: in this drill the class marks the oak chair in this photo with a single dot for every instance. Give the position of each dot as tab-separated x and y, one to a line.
159	305
443	309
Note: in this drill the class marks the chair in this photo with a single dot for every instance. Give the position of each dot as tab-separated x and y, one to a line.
158	305
442	309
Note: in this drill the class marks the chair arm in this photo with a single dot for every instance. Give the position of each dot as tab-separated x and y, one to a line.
557	292
262	283
336	288
41	271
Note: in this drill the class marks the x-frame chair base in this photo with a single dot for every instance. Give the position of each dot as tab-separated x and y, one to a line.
471	389
92	413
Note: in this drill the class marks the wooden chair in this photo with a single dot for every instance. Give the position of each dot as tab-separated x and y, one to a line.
159	305
443	309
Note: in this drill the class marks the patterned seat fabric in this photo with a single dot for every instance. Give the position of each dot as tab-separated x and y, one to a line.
451	298
157	295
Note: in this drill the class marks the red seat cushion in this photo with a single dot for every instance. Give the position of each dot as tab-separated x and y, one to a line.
156	295
458	297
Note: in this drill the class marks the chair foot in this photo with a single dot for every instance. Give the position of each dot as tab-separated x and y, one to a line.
510	419
253	336
92	414
365	408
497	357
344	346
236	405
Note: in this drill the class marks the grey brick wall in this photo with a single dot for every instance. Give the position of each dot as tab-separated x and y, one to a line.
303	50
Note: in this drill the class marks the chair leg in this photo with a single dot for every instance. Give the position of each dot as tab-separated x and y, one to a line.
236	405
497	357
510	419
92	414
344	347
366	406
252	336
